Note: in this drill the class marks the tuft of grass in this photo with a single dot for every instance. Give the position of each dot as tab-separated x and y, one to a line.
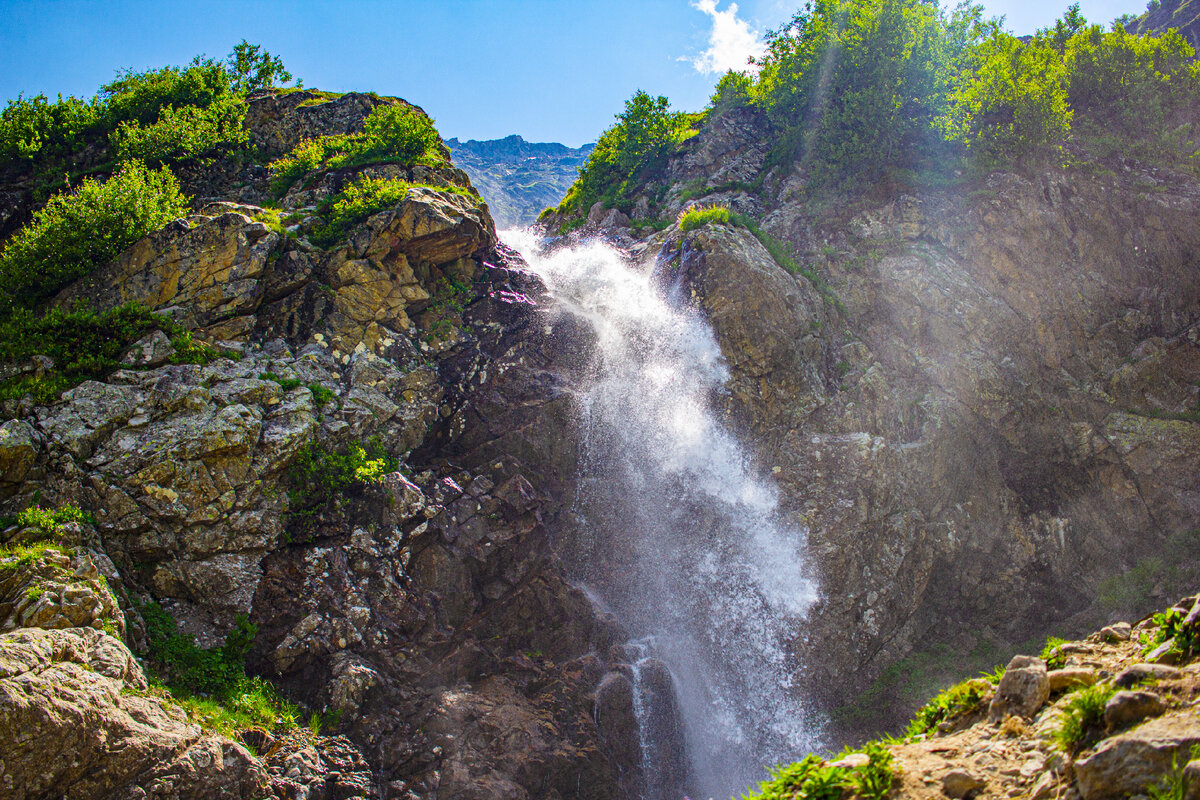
1173	785
699	216
287	384
320	394
14	557
1083	718
84	345
956	701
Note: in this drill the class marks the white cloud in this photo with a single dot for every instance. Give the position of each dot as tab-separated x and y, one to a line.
730	43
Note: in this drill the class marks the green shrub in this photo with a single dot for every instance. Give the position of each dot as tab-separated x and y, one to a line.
38	128
392	134
319	476
1052	654
320	394
186	132
959	700
211	684
699	216
637	146
250	68
76	233
1083	718
84	344
809	779
733	91
141	96
361	199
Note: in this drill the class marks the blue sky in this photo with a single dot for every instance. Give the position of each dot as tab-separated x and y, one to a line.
550	70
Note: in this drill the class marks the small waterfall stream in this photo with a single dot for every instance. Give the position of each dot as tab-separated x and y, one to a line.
678	533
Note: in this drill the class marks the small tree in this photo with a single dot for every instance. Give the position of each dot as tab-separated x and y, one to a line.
251	68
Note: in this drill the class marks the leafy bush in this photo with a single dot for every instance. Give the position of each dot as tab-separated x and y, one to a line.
392	134
1083	718
733	91
84	345
364	197
646	131
76	233
39	128
699	216
251	68
319	476
211	684
183	133
141	96
1052	655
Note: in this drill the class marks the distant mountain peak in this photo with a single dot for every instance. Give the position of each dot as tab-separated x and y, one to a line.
516	177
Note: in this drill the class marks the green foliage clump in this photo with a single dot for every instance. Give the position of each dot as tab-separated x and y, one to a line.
319	476
734	90
320	394
1052	653
813	779
76	233
645	133
287	384
1083	718
182	133
48	520
211	684
956	701
392	134
84	345
361	199
699	216
16	556
251	68
1170	627
38	127
141	96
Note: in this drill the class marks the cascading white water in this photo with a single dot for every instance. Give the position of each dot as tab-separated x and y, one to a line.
679	535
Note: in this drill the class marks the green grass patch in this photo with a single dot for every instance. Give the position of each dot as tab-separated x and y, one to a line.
14	557
287	384
1083	718
956	701
813	779
699	216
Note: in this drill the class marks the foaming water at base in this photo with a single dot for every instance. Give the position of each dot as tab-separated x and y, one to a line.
678	534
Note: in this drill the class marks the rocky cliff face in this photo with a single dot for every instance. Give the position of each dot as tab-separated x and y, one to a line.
423	612
981	402
519	178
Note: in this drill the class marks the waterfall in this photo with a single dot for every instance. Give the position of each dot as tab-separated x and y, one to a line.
677	532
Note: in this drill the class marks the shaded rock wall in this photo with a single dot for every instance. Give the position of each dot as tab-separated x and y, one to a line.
984	409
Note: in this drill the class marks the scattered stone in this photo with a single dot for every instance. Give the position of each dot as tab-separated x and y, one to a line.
959	783
1045	787
1132	676
1115	633
852	761
1191	776
1023	689
1071	677
1124	765
1125	708
152	350
1165	653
